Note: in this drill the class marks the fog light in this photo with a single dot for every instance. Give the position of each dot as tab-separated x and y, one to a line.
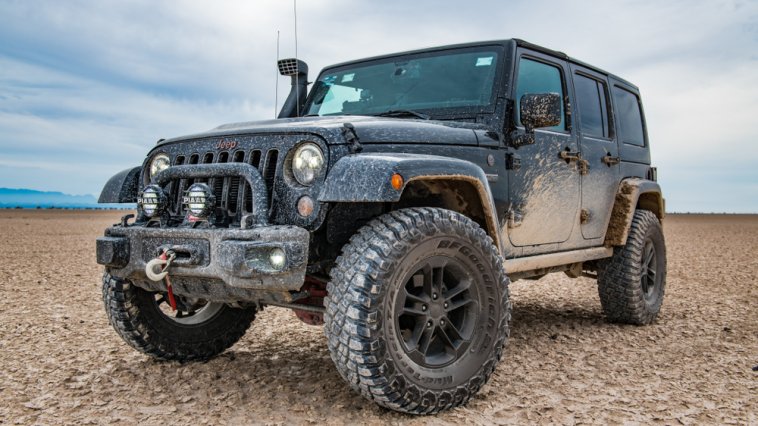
305	206
199	200
152	200
277	258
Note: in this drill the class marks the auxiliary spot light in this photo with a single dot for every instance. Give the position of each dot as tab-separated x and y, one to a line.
152	200
199	200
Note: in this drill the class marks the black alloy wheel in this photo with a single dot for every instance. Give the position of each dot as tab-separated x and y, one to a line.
438	308
649	276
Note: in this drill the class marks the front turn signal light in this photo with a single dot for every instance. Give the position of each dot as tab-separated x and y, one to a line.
397	181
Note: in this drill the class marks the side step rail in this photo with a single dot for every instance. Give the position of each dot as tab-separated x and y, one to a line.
543	263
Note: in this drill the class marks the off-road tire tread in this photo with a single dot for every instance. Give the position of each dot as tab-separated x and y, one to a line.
123	310
619	276
352	320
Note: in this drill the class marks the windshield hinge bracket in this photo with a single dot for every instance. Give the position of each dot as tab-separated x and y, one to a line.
348	132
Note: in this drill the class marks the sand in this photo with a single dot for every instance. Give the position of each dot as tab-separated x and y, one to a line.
61	362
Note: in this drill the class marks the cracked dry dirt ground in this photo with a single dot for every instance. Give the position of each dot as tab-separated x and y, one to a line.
60	361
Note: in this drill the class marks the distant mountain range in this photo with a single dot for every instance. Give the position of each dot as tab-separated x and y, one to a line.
30	199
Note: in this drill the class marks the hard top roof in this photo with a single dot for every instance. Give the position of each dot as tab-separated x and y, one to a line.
516	41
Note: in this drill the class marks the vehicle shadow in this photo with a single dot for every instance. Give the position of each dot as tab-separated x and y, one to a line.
288	375
528	316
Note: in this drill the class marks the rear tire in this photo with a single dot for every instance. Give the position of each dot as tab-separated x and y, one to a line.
631	284
201	333
417	312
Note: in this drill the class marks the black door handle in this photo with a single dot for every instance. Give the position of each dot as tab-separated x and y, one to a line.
610	160
569	155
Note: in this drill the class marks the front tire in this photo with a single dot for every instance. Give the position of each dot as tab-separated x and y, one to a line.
418	311
193	333
631	284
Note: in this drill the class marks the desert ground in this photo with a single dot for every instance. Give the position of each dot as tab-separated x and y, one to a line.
61	362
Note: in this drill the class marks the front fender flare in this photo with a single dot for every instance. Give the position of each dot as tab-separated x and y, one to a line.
366	177
122	187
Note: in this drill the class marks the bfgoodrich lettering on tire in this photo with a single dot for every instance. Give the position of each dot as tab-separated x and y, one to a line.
631	284
418	310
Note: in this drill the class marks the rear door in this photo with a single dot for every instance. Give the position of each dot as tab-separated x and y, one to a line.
597	143
543	188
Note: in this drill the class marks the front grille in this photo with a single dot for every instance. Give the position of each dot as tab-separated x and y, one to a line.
233	194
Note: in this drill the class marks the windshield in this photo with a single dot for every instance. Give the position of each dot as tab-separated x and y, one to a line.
461	78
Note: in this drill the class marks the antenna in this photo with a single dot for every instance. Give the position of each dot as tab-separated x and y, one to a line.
297	83
276	81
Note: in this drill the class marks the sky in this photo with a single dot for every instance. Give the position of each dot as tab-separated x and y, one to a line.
88	87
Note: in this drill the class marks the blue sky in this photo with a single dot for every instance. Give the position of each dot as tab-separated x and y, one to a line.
86	88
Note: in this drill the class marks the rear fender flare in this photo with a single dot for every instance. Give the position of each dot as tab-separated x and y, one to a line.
633	194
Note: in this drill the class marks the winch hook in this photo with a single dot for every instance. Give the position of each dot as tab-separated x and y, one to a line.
162	262
157	269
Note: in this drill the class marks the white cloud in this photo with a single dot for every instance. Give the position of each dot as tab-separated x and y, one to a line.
97	129
99	82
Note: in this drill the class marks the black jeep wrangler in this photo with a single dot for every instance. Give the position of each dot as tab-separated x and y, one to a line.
393	203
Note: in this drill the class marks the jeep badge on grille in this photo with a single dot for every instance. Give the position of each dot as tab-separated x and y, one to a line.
226	144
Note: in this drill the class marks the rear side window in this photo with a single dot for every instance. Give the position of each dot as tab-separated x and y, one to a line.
593	112
629	117
538	77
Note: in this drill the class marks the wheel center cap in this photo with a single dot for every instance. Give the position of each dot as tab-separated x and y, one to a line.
436	310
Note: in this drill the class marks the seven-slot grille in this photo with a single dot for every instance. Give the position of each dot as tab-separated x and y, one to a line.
233	194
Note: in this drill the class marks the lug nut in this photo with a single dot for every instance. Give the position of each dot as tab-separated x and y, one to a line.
445	305
442	322
434	296
423	308
428	323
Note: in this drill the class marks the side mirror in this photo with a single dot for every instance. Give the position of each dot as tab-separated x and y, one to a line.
538	110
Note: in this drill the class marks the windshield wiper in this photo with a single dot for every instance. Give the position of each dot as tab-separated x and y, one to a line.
402	113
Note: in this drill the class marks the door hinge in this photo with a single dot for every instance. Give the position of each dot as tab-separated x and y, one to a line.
583	166
512	161
585	216
514	219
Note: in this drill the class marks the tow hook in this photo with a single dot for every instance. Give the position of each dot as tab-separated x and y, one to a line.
157	270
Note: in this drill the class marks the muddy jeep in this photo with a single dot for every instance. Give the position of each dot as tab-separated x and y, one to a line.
393	203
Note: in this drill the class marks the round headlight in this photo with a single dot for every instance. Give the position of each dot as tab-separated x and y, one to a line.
307	163
199	200
152	201
158	164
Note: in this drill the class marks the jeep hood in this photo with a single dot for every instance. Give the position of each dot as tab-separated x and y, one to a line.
369	130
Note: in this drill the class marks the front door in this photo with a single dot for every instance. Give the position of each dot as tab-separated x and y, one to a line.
599	149
544	189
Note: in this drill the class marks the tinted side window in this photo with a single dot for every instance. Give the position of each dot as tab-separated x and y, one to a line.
537	77
590	98
629	117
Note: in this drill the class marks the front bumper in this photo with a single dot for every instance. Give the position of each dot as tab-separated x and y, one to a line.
237	258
